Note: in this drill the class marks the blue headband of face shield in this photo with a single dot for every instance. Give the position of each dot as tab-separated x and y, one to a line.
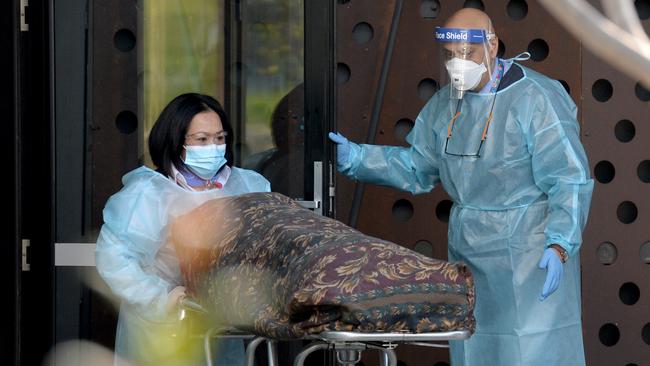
462	35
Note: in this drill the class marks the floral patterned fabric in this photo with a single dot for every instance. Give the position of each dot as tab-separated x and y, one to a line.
263	264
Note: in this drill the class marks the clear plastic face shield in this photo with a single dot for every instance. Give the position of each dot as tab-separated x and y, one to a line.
466	58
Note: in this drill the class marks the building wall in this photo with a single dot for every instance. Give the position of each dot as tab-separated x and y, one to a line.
387	69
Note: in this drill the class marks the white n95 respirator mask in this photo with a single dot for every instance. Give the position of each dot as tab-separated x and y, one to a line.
464	74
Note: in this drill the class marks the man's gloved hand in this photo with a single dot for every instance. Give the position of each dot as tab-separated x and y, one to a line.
342	148
554	270
174	297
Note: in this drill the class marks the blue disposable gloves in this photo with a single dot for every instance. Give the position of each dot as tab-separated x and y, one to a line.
343	147
554	270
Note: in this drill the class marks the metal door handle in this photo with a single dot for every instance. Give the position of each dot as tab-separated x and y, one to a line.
317	203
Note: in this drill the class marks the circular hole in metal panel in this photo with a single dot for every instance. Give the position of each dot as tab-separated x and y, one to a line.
627	212
124	40
566	86
342	73
362	33
426	88
644	252
402	128
538	49
476	4
607	253
442	210
624	130
645	333
429	9
517	9
643	171
501	50
609	334
424	247
641	92
604	171
126	122
629	293
602	90
403	210
643	8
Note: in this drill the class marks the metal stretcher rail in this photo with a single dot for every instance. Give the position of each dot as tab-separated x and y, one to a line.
393	337
350	345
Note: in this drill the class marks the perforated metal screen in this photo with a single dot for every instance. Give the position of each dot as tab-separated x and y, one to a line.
616	249
386	65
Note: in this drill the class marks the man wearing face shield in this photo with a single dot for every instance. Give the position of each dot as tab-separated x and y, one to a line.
503	141
469	56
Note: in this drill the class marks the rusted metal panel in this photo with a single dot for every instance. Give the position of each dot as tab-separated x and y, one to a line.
601	283
414	58
355	97
114	89
563	60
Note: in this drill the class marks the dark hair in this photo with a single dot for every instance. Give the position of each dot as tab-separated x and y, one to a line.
167	136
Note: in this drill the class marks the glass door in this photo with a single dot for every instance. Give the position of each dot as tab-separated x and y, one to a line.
249	55
269	62
270	72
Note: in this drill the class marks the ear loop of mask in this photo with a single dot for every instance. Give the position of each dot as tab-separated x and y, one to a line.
524	56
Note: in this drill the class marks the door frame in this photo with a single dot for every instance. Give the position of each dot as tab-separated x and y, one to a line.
10	255
32	100
320	98
320	93
29	256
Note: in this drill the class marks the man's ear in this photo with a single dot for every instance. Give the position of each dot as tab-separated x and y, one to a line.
494	47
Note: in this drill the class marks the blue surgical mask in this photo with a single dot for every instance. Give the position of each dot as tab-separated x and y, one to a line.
205	161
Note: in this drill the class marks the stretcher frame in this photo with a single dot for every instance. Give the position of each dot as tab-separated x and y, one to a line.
348	346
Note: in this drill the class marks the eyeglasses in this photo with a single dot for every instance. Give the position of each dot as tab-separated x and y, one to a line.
450	129
202	138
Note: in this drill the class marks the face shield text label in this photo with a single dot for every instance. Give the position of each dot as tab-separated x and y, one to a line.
449	36
460	35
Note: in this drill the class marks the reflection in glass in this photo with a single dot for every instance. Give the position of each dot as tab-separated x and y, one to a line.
272	52
273	59
182	51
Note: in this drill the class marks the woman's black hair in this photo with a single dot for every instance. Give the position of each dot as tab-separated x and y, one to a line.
167	136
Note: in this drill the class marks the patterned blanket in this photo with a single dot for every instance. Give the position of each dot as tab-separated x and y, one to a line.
263	264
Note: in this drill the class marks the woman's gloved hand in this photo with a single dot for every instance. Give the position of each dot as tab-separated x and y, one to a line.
342	149
174	297
553	264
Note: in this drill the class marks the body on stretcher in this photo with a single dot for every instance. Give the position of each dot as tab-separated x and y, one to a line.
348	346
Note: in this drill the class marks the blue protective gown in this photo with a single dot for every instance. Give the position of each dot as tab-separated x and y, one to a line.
135	260
530	188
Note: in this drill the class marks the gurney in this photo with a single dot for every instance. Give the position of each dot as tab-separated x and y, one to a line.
347	346
264	266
